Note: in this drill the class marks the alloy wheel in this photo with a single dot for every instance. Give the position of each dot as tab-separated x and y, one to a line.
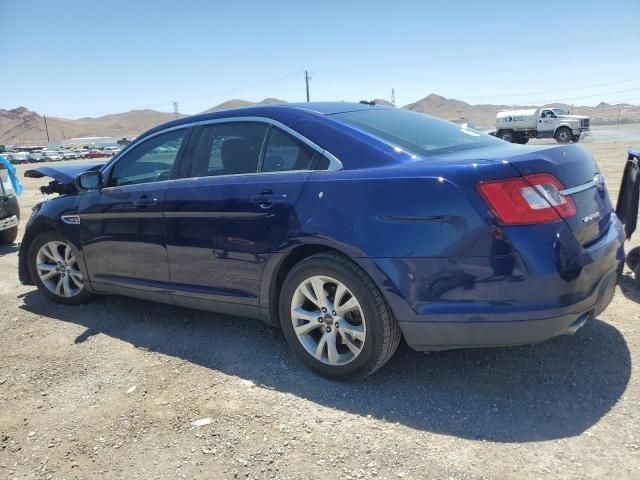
58	269
328	320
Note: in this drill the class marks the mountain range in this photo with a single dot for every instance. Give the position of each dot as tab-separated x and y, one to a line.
22	126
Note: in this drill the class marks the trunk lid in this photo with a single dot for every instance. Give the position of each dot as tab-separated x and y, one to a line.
582	181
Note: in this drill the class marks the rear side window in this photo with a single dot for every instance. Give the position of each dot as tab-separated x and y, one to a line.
229	149
415	132
284	153
151	161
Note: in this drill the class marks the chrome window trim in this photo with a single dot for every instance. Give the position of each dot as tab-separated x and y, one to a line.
334	163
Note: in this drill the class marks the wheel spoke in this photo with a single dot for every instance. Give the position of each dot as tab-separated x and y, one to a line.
76	276
318	289
67	254
59	286
306	290
350	345
354	331
340	291
46	267
332	349
51	251
348	306
49	275
320	348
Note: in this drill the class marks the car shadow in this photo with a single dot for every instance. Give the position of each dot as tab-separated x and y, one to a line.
8	249
629	287
551	390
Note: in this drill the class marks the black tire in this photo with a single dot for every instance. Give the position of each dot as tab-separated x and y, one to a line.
82	297
633	258
382	331
563	135
576	138
636	275
506	135
522	140
9	235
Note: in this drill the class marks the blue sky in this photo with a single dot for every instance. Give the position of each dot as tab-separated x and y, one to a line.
81	58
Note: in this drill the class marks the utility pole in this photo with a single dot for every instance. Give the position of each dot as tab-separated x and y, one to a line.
306	81
175	109
393	97
45	127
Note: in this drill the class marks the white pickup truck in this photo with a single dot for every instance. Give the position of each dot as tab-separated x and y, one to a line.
518	126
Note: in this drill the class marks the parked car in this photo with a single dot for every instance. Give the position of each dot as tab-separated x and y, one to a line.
17	157
51	155
112	150
96	154
347	225
9	209
36	156
68	155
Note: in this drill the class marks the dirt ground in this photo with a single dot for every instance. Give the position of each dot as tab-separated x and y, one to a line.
110	390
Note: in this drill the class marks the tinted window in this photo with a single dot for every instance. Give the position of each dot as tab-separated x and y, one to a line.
285	152
229	149
151	161
415	132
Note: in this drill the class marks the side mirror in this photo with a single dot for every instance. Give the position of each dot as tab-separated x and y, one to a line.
91	180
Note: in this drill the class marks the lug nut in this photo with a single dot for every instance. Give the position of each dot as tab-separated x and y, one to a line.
337	325
333	313
320	319
328	329
324	310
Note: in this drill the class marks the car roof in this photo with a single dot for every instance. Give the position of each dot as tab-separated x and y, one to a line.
275	111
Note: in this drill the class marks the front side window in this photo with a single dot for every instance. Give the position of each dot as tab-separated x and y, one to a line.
229	149
285	153
151	161
415	132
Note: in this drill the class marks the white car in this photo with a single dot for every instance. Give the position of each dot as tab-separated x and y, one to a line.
112	150
68	155
51	155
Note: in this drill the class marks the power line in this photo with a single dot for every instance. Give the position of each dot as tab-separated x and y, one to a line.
479	56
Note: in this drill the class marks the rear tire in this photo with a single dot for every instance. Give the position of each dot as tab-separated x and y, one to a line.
506	135
54	266
633	258
9	235
358	326
563	135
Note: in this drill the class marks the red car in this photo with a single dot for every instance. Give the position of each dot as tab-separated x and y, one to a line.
96	154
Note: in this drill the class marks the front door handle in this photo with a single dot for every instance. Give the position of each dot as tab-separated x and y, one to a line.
145	202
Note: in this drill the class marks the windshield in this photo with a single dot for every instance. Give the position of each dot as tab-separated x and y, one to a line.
559	111
415	132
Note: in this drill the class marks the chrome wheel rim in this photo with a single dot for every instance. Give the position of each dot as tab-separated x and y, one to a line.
564	136
58	269
328	320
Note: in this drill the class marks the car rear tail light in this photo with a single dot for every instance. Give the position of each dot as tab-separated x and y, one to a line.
527	200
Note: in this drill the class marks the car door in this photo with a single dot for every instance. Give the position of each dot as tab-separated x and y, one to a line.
235	210
547	121
122	224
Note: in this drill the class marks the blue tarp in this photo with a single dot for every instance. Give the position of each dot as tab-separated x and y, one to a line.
15	181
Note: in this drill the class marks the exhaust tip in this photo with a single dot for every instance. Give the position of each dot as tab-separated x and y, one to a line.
578	324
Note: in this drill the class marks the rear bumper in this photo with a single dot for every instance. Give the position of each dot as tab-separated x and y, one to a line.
548	286
436	335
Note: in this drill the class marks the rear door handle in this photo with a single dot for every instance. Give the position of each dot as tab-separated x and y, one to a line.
267	200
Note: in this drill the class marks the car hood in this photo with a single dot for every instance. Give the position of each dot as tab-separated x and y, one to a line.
62	173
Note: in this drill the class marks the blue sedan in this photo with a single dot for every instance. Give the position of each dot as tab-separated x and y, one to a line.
350	226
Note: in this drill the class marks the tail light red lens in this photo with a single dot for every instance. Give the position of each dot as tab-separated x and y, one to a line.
527	200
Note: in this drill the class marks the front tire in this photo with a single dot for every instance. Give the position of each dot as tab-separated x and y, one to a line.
506	135
8	235
54	267
563	135
335	319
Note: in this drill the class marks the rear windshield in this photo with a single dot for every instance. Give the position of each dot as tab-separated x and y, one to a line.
415	132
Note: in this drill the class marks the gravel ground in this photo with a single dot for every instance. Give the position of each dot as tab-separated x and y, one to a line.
123	388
